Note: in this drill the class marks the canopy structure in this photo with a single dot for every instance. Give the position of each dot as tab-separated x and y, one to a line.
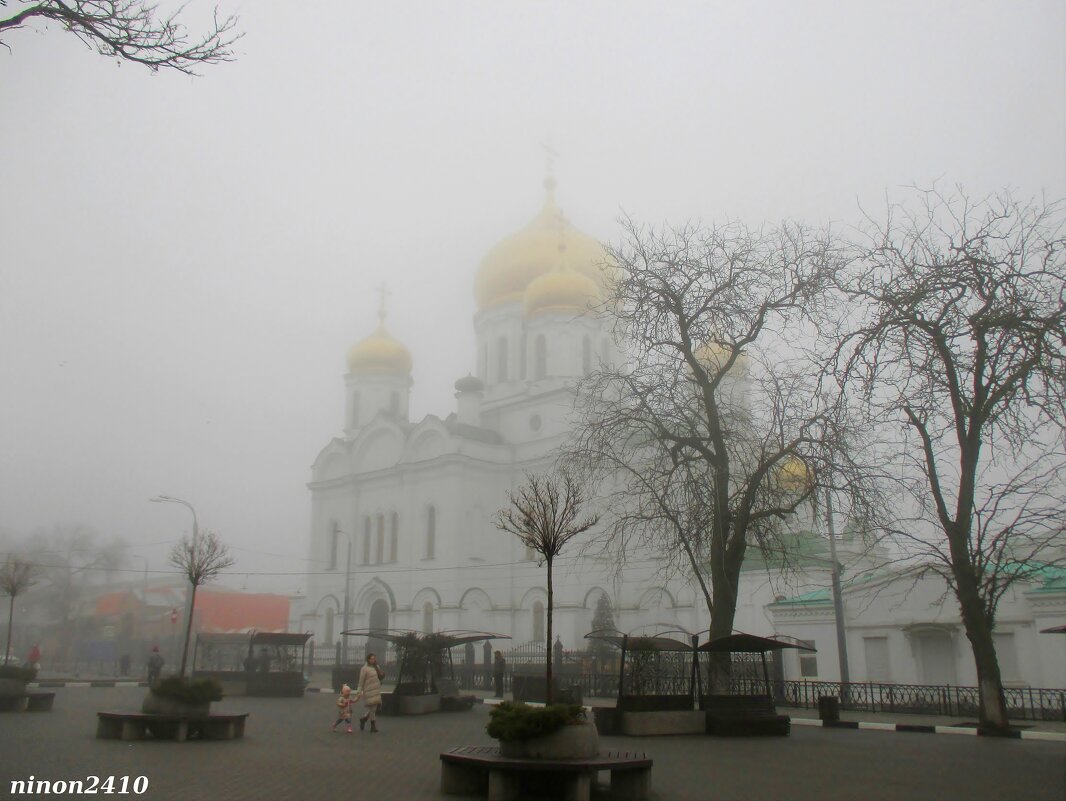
670	641
739	643
1054	630
422	654
277	651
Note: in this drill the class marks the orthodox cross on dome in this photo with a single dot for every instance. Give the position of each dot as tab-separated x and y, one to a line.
550	154
383	292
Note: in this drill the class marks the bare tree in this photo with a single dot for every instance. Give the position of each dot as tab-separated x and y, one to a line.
960	339
715	431
71	558
131	30
545	514
201	560
16	576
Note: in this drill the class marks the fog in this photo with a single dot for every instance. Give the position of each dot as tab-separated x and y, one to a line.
184	262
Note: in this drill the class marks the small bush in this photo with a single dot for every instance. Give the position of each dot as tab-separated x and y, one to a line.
188	691
18	673
510	722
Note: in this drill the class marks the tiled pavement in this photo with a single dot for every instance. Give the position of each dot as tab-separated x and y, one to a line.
289	752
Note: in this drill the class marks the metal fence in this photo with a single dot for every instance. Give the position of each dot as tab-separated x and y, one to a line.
1023	703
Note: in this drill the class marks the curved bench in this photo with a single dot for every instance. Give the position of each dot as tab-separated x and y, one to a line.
479	769
135	725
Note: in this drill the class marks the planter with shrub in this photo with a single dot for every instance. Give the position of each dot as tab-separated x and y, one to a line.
13	679
177	696
559	731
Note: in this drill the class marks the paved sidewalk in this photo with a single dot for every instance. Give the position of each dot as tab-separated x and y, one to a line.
289	753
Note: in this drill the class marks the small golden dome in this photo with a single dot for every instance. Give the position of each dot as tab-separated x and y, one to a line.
714	356
793	475
560	290
512	264
379	353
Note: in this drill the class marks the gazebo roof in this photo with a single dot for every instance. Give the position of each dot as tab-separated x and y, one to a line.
446	639
654	642
749	643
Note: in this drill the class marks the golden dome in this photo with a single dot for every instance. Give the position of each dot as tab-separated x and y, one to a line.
560	290
793	475
714	356
379	353
512	264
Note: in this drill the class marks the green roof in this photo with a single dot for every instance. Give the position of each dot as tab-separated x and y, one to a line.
806	548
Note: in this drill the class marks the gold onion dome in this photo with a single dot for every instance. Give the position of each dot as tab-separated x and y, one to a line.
793	475
560	290
379	353
714	356
516	261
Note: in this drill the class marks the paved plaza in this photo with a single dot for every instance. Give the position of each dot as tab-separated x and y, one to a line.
288	752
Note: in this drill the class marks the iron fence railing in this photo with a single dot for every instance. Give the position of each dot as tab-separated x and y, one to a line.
1023	703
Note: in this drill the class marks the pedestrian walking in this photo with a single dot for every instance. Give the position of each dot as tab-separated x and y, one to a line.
499	667
33	661
344	709
155	665
370	676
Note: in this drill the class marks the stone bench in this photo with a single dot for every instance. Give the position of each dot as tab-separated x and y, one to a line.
136	725
30	702
480	770
743	715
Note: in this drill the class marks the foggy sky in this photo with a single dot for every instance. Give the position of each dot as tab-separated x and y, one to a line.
184	262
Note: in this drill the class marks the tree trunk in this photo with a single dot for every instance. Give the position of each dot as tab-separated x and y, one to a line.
188	632
10	620
993	702
548	695
724	584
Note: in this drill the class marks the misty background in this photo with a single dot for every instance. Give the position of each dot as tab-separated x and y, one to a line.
185	262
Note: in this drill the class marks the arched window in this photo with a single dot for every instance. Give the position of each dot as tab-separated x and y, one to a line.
538	622
431	532
394	535
329	625
394	403
485	363
501	359
380	550
586	355
427	617
605	352
522	357
366	540
355	410
540	358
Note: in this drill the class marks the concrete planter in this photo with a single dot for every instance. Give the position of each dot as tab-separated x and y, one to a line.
573	741
12	686
416	704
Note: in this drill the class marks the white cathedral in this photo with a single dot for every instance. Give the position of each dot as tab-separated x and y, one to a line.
411	504
415	500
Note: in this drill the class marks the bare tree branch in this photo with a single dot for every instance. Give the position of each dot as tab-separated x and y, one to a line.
132	30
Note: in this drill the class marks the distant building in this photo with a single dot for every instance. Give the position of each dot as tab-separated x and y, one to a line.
905	629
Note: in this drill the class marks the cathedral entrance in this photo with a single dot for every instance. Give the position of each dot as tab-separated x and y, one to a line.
379	620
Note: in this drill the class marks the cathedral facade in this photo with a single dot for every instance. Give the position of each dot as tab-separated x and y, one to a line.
412	503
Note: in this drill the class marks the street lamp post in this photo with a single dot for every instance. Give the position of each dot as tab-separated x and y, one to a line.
838	600
195	547
347	589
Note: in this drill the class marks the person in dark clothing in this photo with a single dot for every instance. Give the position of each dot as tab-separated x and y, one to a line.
155	665
499	667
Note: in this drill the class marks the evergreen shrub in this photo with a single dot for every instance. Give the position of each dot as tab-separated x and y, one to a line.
510	722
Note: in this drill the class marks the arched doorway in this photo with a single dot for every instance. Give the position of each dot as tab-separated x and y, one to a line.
379	619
